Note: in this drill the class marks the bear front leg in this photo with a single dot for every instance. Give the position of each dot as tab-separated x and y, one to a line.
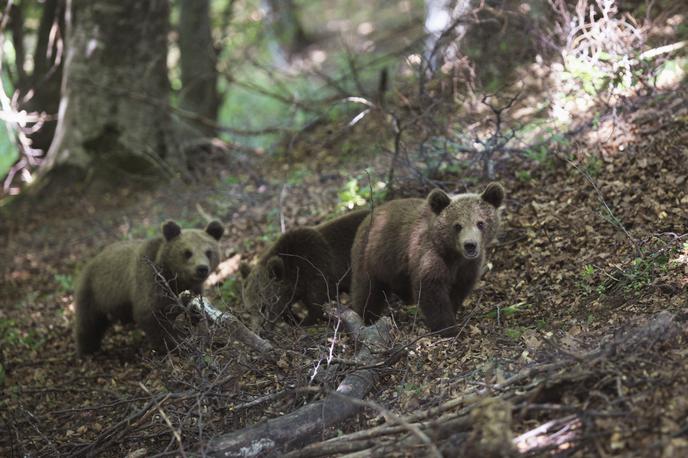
367	298
437	308
158	327
160	333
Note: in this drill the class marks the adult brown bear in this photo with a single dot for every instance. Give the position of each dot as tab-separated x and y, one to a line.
430	251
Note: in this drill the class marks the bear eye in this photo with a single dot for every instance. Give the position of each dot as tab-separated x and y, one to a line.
208	254
187	254
481	225
457	227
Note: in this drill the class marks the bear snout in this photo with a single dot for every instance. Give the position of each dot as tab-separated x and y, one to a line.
470	249
202	272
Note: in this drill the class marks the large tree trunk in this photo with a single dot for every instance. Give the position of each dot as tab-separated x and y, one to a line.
198	64
114	121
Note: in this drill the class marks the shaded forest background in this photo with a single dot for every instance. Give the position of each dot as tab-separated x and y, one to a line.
269	115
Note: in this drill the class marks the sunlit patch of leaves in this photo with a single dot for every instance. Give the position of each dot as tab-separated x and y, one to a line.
358	192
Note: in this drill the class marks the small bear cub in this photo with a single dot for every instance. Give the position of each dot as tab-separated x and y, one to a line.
427	251
140	280
310	265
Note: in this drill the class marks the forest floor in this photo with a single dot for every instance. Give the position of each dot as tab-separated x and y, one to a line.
591	248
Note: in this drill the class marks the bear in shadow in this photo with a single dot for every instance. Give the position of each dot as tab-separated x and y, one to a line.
310	265
140	281
427	251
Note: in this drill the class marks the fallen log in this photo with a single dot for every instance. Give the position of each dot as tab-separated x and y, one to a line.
310	423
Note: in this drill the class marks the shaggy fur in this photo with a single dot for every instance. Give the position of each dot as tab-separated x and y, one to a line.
123	282
308	265
430	251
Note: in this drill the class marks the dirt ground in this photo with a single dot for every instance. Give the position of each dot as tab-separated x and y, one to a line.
590	248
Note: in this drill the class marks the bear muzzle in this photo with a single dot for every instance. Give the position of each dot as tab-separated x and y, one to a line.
202	272
471	249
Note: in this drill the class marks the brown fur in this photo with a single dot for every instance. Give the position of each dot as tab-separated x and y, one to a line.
122	283
430	251
308	265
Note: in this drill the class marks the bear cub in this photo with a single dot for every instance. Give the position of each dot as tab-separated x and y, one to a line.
126	282
427	251
308	265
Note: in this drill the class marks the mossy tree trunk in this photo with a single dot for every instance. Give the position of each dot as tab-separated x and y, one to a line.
114	124
198	59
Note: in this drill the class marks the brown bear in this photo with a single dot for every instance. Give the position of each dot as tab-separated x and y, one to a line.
427	251
310	265
140	280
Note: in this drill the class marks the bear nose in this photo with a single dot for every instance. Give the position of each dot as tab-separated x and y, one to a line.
471	248
202	271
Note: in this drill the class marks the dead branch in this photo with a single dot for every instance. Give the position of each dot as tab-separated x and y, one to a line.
307	424
239	331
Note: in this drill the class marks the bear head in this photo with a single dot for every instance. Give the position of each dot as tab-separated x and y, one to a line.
188	256
464	224
265	289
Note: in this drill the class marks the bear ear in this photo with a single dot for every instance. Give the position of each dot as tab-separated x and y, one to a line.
493	194
244	269
276	267
438	200
170	230
215	229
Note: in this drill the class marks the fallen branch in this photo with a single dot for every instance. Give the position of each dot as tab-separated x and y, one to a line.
310	423
239	331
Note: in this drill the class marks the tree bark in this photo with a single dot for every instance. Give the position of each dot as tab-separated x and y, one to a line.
39	92
198	59
114	123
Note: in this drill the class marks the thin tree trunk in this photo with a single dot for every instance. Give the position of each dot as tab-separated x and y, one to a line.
289	36
114	121
39	92
198	64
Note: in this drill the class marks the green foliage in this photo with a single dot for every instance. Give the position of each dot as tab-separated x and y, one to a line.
538	154
8	153
358	192
230	291
65	283
508	311
298	175
523	176
11	335
515	332
643	270
593	165
413	388
586	279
